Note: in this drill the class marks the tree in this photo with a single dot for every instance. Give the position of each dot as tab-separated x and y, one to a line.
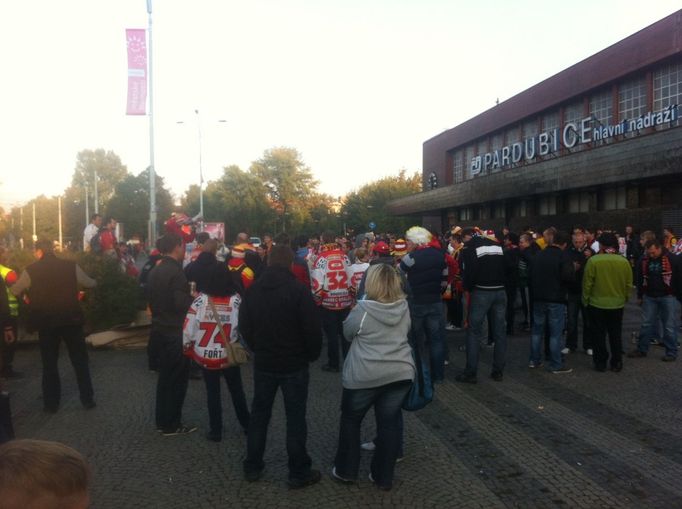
368	203
289	183
130	203
47	219
110	171
238	199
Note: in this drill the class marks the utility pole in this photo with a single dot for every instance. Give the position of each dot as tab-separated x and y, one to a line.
96	195
201	171
87	206
59	206
152	176
21	227
35	237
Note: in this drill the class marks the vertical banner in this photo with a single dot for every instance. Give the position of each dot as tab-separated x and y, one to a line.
137	71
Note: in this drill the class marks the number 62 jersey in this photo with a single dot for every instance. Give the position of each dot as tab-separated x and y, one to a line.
331	279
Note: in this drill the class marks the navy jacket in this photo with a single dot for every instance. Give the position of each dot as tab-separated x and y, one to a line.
426	272
551	274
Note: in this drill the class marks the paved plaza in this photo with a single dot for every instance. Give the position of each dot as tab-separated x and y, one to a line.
585	439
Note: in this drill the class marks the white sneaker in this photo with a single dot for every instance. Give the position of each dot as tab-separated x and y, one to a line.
589	352
368	446
450	327
566	351
337	477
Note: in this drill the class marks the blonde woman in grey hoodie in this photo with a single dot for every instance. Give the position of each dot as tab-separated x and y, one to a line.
378	372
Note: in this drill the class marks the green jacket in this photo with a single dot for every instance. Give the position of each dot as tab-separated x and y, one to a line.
607	281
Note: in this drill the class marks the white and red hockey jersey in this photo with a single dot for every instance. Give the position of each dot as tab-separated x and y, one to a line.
331	279
201	337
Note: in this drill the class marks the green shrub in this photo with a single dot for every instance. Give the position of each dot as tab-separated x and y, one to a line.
116	298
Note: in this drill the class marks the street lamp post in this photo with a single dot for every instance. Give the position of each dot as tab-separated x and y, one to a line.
152	175
201	165
201	170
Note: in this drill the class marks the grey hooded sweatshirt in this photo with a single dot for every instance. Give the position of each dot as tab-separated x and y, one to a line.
379	353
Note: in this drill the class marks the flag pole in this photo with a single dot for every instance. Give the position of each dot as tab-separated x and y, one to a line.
152	171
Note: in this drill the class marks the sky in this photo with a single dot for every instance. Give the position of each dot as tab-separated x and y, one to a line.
356	86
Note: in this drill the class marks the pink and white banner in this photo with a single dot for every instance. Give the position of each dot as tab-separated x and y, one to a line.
136	40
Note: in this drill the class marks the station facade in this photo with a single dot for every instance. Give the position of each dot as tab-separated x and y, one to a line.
598	144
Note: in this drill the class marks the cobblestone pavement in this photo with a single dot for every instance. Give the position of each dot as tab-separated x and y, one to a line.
585	439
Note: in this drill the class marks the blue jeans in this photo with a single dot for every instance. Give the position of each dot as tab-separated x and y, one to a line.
387	401
295	392
555	315
652	309
483	301
428	327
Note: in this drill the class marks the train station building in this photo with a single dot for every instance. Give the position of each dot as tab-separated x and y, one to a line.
598	144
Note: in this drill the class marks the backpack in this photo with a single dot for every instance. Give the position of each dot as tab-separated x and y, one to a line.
96	243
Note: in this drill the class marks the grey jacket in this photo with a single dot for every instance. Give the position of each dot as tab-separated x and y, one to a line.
379	353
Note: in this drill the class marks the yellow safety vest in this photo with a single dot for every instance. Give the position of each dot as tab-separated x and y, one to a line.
13	302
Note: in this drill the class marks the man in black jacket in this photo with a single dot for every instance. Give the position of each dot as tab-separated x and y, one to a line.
56	314
484	271
169	300
551	273
575	294
280	323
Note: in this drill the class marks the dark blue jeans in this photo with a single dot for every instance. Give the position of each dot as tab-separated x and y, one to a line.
171	387
574	308
554	314
233	379
387	401
483	301
652	309
295	392
332	325
428	326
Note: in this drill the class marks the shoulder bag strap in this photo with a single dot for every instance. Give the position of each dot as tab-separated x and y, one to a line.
228	345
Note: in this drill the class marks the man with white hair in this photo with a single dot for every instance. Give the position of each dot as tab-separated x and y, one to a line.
427	274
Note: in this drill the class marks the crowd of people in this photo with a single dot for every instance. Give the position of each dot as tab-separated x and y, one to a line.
375	300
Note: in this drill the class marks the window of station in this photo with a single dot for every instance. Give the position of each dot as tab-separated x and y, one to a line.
497	142
482	150
632	99
601	110
499	210
613	198
458	166
465	214
667	88
550	121
530	130
468	156
483	212
521	208
547	206
574	113
513	135
579	202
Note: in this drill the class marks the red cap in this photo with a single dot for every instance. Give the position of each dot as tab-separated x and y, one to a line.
382	248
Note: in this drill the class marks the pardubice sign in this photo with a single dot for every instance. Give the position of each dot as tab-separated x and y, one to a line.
572	134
